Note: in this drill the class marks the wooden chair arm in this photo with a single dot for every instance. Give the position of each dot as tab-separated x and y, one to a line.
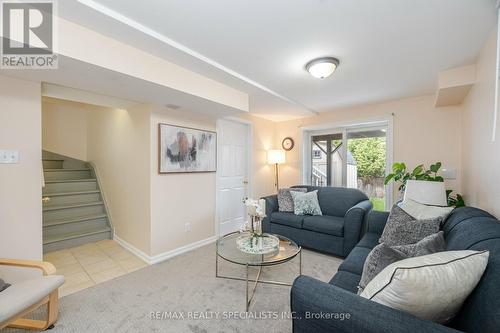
46	267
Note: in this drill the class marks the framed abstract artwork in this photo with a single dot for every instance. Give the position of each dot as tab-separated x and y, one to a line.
184	149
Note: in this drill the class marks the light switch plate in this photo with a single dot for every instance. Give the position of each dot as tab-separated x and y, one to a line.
9	156
450	173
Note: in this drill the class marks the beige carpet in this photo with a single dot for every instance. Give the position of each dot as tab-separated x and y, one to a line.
186	286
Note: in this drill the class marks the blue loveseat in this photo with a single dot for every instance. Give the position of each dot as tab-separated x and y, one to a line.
336	232
465	229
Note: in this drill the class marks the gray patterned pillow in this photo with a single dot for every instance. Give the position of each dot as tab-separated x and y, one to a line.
306	203
382	255
430	244
285	201
379	258
403	229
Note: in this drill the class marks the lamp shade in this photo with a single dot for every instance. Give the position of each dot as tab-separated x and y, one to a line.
275	156
425	192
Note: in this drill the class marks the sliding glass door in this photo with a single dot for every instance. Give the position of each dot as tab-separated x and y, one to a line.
326	161
353	157
366	169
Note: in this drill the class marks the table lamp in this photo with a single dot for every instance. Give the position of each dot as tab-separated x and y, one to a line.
426	192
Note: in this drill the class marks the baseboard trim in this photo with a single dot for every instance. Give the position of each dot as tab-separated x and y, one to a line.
183	249
143	256
151	260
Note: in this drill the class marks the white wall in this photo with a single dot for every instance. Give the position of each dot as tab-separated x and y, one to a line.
263	140
64	128
177	199
422	134
118	144
481	156
21	186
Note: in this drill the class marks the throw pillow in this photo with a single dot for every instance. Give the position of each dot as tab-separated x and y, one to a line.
401	228
424	212
430	244
379	258
306	203
285	201
431	287
3	285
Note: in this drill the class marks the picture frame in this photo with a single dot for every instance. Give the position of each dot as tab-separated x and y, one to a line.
186	149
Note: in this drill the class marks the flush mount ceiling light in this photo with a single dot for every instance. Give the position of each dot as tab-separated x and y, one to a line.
322	67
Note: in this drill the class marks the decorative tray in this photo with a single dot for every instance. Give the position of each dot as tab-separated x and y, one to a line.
254	244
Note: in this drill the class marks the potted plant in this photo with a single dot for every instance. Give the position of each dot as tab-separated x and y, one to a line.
401	175
256	211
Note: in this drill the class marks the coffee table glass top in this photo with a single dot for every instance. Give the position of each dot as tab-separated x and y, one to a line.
228	250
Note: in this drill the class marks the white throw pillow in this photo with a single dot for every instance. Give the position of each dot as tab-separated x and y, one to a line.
424	212
431	287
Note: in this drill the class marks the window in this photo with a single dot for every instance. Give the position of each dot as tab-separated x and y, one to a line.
353	157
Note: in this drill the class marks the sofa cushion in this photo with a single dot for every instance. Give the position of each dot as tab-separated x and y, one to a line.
306	203
346	280
379	258
336	201
355	260
288	219
285	200
331	225
430	244
424	212
402	228
431	287
369	240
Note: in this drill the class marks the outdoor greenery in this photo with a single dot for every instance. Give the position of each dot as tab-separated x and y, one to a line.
378	204
369	154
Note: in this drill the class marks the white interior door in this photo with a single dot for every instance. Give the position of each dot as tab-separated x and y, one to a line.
232	174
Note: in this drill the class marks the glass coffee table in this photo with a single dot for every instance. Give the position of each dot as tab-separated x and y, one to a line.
228	250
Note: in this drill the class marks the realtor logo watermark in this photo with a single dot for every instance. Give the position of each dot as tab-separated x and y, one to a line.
28	35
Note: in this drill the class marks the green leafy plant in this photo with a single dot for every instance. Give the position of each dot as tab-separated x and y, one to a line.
401	175
454	200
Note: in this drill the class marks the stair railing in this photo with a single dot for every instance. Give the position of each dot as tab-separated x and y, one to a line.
95	171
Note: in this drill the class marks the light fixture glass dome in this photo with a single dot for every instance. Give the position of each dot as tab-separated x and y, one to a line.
322	67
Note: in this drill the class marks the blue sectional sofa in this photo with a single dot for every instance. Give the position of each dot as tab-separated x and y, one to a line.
465	229
336	232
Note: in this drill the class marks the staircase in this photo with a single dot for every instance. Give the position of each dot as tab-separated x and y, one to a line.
74	212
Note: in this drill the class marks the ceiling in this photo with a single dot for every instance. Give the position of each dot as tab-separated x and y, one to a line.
76	79
388	49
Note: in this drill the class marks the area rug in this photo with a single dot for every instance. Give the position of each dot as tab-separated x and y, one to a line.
183	295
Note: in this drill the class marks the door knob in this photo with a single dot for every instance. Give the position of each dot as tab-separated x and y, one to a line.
245	182
45	200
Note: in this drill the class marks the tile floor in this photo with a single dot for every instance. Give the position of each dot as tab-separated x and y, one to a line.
87	265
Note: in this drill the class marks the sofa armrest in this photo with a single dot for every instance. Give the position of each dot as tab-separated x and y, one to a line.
376	221
271	206
319	307
353	223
